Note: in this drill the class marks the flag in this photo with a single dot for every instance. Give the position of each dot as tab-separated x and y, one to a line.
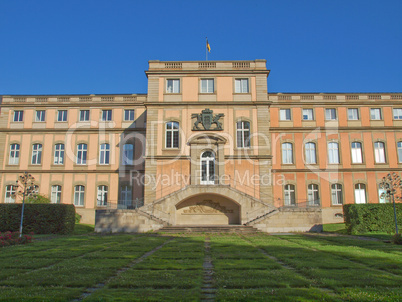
208	46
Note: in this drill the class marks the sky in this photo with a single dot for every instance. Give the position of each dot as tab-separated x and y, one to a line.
103	46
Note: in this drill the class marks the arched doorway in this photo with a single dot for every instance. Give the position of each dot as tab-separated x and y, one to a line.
208	209
208	168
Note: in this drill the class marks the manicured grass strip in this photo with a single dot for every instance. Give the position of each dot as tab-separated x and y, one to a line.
32	293
145	294
369	294
26	263
245	264
153	263
8	272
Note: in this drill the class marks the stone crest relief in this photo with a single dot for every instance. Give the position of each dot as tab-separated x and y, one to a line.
207	207
207	119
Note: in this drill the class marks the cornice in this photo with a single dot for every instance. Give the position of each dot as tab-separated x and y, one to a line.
339	129
53	130
207	104
340	170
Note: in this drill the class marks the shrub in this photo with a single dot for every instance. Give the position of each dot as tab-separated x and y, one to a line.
13	238
397	239
37	198
38	218
77	218
363	218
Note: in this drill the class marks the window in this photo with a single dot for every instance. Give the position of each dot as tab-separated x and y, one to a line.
104	154
313	195
129	114
353	114
101	200
399	151
357	157
382	198
128	154
173	86
208	168
172	135
360	193
336	194
308	115
284	115
309	149
207	85
333	153
56	194
18	116
40	116
82	154
241	86
10	194
290	197
79	194
106	115
287	153
14	158
59	154
84	115
243	134
397	113
36	154
62	116
330	114
379	152
126	195
375	113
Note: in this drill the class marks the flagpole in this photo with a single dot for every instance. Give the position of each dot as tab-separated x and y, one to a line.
206	48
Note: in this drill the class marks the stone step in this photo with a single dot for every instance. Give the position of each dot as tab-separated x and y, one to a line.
208	229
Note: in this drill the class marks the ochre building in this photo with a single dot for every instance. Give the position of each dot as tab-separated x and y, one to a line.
207	145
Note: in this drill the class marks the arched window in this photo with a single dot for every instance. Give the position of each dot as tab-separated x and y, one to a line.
37	154
104	154
287	153
128	154
333	153
379	152
82	154
290	197
172	135
79	194
360	193
243	134
336	194
14	158
309	149
399	151
59	154
313	195
208	168
126	196
102	196
56	194
10	197
357	155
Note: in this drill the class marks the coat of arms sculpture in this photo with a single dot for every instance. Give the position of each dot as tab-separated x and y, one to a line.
207	119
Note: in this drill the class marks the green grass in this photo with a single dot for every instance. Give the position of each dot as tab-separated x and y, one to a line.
246	268
81	229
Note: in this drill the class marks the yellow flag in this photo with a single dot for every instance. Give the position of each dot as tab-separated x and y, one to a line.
208	46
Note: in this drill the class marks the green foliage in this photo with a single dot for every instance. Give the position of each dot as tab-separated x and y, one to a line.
37	198
38	218
397	239
77	217
13	238
363	218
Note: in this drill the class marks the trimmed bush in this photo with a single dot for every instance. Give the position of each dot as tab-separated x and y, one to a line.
364	218
38	218
13	238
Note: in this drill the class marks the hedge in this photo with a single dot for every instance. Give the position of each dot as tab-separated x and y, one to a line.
363	218
38	218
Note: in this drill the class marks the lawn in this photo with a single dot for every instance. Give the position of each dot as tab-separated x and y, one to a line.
149	267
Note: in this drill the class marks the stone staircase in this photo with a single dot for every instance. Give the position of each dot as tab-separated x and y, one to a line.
258	218
243	229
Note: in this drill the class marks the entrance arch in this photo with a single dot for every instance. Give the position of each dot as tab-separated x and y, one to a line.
208	209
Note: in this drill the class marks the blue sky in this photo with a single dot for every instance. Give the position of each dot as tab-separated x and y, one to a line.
103	46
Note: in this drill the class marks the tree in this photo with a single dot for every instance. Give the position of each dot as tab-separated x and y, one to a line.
392	184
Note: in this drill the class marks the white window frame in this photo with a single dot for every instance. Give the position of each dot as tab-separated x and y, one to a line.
357	152
289	195
104	154
333	153
207	85
55	196
62	115
173	86
58	154
287	153
308	114
243	134
313	195
384	199
82	152
18	116
102	196
353	114
106	115
379	153
285	114
375	114
79	195
172	137
397	113
84	115
14	158
330	114
336	194
242	85
399	149
310	153
9	194
207	164
129	115
126	195
128	154
36	154
40	116
360	193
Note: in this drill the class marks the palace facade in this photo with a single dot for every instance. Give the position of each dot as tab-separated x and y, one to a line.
207	145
